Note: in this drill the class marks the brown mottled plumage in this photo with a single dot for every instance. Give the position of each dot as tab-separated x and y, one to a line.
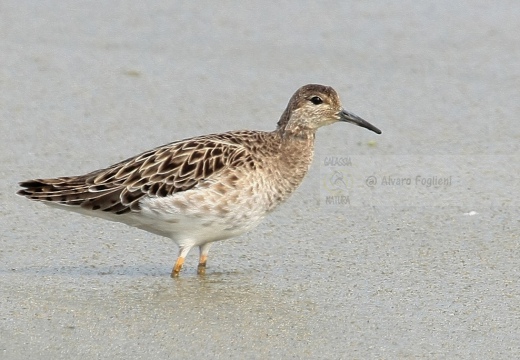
207	188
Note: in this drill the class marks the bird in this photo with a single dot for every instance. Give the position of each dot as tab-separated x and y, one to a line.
206	188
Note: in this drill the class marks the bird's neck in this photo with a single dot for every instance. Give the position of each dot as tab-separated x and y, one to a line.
294	130
296	150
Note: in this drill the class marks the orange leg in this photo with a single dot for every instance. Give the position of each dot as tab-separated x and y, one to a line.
203	258
177	267
183	251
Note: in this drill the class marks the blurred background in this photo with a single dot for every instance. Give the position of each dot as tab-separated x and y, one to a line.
425	273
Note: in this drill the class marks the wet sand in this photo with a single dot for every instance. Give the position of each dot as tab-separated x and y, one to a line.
398	271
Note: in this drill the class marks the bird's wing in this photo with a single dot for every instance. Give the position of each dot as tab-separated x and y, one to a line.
163	171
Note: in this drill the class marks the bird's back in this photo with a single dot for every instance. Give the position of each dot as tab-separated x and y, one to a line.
237	176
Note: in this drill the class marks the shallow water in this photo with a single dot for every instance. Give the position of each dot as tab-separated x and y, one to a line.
401	271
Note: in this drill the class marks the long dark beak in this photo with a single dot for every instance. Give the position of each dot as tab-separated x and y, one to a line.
346	116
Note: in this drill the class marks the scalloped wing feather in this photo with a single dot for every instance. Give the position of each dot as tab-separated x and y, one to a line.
166	170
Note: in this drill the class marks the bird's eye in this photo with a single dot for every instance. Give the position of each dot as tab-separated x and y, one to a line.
316	100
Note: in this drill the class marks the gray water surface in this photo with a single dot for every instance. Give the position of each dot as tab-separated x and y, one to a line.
399	271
